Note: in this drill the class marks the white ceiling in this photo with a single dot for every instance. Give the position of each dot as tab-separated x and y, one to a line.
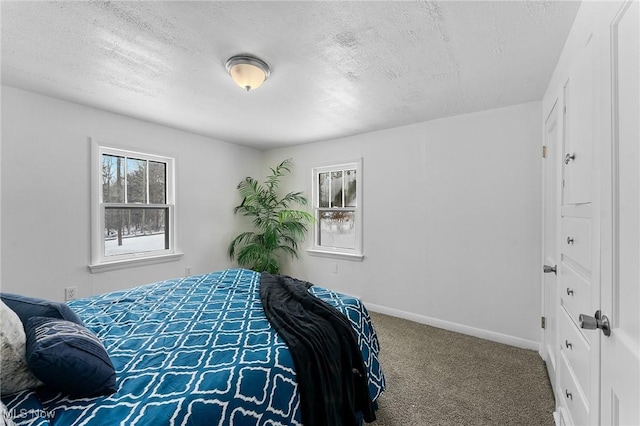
338	68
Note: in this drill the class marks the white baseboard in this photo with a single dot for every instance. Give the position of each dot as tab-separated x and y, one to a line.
459	328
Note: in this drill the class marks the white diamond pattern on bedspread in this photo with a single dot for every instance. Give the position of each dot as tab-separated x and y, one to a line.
192	351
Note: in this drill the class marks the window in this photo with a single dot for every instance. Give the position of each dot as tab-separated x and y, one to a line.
133	208
337	206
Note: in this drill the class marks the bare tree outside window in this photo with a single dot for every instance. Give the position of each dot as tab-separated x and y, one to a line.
336	209
134	194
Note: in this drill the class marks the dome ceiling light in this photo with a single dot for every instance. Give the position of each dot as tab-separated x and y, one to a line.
247	71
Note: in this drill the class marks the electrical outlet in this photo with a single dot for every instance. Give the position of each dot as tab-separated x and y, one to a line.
187	271
334	268
70	293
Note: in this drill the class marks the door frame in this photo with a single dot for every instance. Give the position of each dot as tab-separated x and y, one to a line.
552	151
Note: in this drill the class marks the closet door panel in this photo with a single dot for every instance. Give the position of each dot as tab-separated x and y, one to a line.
578	133
576	241
575	349
575	293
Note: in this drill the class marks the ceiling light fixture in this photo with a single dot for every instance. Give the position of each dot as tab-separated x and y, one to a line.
247	71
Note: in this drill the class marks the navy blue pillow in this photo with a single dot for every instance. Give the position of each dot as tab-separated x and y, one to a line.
69	358
27	307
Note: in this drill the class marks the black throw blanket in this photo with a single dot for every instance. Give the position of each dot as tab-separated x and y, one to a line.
332	379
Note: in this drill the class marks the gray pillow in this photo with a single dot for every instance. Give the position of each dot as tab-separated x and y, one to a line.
15	376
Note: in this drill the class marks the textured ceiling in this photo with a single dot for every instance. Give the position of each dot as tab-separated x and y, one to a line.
338	68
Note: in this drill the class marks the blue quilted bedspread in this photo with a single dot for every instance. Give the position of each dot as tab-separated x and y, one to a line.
192	351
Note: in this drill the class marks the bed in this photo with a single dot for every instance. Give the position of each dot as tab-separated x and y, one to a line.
191	351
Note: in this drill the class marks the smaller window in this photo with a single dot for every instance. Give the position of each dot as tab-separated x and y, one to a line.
133	208
337	206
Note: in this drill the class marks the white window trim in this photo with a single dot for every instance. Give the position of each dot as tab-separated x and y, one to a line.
102	263
334	252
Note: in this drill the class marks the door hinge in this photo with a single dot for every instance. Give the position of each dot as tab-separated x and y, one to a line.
543	322
544	151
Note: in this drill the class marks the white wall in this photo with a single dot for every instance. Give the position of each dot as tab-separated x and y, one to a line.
451	210
46	195
452	221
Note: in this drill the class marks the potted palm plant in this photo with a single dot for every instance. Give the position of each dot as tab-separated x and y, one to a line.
278	227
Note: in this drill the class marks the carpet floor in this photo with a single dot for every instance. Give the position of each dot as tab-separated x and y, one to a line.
439	377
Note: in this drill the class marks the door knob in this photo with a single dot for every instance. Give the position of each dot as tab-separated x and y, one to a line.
548	268
598	321
569	157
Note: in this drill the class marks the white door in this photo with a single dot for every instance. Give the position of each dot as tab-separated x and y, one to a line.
550	233
620	221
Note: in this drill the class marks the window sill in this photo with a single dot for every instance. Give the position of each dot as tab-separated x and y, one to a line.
131	263
336	255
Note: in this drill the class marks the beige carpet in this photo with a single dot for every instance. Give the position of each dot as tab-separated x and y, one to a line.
438	377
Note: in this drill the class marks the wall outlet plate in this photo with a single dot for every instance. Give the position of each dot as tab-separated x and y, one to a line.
70	293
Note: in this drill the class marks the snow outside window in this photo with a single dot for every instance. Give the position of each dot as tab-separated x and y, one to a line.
337	207
133	212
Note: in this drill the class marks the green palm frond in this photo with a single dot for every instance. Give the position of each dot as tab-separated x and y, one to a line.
290	250
293	197
292	216
279	227
273	180
240	240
